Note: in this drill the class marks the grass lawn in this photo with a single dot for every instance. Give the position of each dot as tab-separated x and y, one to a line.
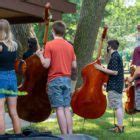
98	127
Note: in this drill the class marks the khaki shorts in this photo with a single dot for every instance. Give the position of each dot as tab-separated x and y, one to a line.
114	100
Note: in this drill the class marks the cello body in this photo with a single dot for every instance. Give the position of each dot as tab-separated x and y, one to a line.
35	106
130	93
89	101
130	103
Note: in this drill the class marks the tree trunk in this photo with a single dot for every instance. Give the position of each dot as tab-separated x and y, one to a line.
21	34
87	30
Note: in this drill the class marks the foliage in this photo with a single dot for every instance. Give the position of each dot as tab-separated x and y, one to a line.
71	21
121	20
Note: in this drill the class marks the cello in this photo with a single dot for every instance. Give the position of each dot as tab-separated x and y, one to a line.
35	106
130	93
89	101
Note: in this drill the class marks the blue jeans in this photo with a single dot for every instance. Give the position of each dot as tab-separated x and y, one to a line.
59	91
8	84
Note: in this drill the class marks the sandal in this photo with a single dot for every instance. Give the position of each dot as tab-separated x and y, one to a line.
117	129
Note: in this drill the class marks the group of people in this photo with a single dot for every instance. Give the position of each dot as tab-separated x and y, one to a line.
60	60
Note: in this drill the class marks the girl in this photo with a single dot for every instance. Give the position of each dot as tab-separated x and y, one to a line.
8	81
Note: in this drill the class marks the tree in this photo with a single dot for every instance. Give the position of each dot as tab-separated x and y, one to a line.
87	30
71	20
21	33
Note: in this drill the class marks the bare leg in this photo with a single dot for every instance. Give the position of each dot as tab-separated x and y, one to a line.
2	112
69	120
119	115
61	120
12	104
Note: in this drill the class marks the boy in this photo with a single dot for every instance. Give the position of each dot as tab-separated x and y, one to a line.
115	83
60	58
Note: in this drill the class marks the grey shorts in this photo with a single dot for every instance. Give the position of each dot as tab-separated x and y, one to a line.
114	99
59	91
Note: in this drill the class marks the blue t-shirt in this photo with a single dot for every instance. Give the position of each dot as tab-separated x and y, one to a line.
7	58
116	82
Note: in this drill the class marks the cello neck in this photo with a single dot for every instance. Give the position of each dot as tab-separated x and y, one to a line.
101	42
100	49
47	20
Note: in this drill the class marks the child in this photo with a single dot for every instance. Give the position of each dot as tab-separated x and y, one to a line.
8	79
115	83
60	58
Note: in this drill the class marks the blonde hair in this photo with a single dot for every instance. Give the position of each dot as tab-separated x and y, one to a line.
6	35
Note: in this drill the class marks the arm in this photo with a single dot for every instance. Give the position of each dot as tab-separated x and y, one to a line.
135	75
45	56
112	67
0	48
74	71
74	76
45	61
105	70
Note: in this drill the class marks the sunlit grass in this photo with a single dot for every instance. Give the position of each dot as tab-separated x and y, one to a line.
99	127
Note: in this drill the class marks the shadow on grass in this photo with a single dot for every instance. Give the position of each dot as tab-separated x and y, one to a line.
98	127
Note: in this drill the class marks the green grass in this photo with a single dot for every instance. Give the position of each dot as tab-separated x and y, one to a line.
98	127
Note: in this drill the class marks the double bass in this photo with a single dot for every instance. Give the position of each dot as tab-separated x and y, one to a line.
89	101
35	106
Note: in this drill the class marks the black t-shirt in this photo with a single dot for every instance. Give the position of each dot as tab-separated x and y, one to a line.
28	54
116	82
7	58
